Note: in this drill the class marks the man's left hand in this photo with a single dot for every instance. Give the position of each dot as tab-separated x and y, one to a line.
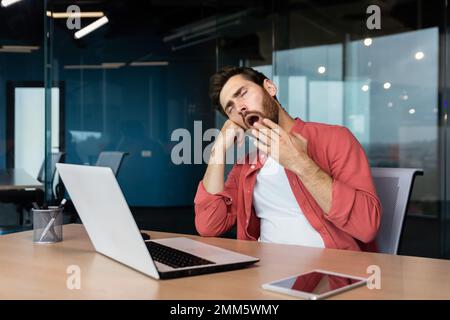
288	149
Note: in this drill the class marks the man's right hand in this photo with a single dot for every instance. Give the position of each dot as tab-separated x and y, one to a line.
230	133
213	181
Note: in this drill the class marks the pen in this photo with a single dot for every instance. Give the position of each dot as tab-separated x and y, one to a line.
63	202
52	220
47	227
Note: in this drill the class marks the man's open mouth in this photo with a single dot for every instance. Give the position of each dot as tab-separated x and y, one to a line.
251	118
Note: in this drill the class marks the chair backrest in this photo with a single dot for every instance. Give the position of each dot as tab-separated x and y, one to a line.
55	158
111	159
394	187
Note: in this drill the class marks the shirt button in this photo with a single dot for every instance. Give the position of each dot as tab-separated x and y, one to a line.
252	166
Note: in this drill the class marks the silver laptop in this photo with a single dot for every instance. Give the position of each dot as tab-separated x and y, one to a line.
112	229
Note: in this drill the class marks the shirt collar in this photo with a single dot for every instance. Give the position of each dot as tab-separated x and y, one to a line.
298	125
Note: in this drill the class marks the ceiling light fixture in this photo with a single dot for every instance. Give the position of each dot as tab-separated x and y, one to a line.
113	65
15	50
91	27
367	41
149	63
7	3
18	49
104	65
65	15
419	55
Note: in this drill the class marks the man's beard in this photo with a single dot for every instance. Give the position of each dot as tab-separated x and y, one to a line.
270	111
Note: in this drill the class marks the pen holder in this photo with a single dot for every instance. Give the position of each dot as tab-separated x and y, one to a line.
47	225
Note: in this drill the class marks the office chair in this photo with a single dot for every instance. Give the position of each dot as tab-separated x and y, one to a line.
111	159
394	186
55	158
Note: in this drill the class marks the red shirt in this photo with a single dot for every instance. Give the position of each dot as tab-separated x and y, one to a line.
353	220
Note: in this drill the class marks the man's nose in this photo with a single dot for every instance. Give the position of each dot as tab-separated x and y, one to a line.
242	109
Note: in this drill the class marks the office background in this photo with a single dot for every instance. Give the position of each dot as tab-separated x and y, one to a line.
129	84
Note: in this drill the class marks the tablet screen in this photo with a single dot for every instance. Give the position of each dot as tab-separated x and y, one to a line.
317	283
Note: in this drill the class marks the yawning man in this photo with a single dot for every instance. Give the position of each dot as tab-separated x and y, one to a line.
310	185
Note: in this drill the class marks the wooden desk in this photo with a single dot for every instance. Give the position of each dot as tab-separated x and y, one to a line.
32	271
17	179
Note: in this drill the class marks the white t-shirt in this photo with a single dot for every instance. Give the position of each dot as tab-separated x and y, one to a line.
281	219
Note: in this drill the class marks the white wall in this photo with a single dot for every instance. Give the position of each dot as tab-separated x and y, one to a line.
29	127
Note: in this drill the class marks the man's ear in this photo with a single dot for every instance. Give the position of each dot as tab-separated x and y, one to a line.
270	87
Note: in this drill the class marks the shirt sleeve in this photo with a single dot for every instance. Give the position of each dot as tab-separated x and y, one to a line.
355	205
215	214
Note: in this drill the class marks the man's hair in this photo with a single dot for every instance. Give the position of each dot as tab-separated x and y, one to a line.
218	80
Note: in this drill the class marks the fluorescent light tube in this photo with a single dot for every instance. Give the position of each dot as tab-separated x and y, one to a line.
104	65
20	47
83	66
112	65
7	3
149	63
65	15
15	50
91	27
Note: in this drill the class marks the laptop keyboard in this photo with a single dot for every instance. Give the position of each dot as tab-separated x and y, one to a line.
173	257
